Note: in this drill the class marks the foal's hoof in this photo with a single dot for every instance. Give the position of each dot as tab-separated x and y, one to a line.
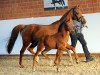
70	64
33	68
77	62
37	59
51	63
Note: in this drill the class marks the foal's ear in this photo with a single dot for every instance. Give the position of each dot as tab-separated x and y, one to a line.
77	6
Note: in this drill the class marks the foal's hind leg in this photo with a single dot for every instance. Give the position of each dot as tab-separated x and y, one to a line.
45	51
76	56
74	51
25	45
69	54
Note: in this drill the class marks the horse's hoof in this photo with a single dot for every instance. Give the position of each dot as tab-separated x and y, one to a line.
21	66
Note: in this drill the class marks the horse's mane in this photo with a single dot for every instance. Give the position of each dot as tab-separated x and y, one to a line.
55	22
64	16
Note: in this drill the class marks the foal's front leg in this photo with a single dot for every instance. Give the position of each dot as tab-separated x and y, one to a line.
39	49
57	59
58	55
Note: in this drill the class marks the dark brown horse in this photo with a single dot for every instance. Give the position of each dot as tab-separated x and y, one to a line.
33	32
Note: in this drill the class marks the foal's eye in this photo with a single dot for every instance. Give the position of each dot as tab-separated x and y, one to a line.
77	12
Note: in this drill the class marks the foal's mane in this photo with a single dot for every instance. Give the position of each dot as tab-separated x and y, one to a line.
62	26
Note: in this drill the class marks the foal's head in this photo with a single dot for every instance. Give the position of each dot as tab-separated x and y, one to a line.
67	26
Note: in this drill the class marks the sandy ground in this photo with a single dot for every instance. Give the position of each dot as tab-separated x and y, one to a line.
9	66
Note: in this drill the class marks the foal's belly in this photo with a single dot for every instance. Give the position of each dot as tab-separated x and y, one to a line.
50	42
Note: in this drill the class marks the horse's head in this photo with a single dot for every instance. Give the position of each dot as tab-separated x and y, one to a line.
77	14
74	14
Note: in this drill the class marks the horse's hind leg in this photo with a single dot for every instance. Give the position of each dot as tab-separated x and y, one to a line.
25	45
32	46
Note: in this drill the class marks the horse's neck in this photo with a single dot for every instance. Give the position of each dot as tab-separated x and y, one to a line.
69	17
66	16
55	25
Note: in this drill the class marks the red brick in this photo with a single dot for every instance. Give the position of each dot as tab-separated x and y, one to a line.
10	9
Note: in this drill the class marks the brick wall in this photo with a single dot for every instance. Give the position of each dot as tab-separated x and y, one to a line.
12	9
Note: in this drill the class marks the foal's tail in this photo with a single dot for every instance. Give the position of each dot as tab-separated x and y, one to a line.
13	37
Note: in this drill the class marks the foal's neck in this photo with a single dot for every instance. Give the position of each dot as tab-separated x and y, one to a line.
64	33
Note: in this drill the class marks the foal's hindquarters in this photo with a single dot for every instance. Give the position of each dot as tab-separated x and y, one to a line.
67	48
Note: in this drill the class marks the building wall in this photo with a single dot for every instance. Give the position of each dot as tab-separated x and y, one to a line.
13	9
91	34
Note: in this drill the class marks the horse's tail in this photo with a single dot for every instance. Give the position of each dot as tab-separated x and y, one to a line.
13	37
